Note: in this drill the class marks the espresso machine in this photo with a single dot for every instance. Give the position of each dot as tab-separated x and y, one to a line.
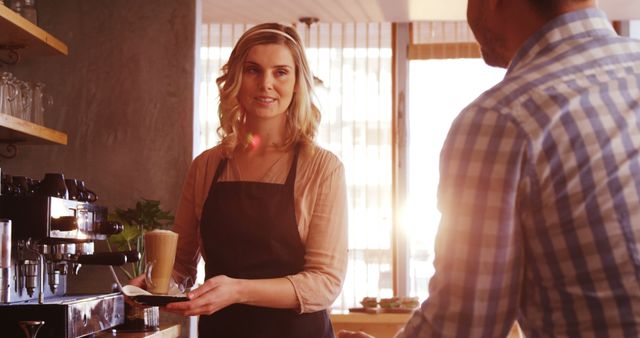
44	240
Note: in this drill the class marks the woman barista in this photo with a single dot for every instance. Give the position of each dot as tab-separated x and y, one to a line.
266	208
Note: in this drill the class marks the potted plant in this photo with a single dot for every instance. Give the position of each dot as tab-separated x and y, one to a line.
145	216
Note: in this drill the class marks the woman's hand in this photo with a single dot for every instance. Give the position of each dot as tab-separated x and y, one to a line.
215	294
139	282
352	334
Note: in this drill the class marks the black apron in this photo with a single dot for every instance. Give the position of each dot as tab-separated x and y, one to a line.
249	231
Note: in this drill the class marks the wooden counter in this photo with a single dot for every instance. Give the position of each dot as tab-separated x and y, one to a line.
381	325
166	331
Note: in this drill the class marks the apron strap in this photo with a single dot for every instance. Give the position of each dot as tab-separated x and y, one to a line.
291	177
221	165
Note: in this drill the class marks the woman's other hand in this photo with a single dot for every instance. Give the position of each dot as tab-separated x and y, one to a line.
139	282
352	334
215	294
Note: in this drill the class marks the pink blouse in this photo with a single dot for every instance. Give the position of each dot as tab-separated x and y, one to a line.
321	212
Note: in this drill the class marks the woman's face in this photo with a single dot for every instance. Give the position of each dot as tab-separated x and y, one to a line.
268	81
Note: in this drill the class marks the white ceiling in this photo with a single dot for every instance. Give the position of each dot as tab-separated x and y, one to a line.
254	11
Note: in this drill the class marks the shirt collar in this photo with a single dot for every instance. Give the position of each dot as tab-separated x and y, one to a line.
587	22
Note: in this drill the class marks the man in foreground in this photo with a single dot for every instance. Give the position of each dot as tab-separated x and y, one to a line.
540	183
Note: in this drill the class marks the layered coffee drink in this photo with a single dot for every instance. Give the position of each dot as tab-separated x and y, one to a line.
160	253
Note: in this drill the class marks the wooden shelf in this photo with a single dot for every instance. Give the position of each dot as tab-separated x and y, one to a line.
18	131
34	41
28	40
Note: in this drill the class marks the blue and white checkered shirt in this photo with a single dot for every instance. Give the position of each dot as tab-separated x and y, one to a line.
540	195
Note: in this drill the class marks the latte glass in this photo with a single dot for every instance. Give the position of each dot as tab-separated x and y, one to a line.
160	253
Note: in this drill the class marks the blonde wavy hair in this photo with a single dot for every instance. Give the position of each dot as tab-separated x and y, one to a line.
303	117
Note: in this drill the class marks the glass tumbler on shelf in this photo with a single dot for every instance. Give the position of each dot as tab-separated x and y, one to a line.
8	93
26	101
41	101
28	11
15	104
16	5
4	91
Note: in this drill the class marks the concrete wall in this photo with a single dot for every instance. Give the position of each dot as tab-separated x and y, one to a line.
124	96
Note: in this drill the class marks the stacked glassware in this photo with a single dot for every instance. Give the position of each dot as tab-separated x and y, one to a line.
23	99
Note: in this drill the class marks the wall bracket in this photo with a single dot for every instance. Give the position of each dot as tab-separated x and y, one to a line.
11	151
12	56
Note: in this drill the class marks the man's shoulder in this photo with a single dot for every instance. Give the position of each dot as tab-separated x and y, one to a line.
504	103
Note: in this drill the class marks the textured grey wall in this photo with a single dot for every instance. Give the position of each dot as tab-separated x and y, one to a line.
124	96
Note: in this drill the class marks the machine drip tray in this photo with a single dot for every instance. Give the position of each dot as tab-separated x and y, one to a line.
67	316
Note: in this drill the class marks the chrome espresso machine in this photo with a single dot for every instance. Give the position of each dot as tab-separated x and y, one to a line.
45	238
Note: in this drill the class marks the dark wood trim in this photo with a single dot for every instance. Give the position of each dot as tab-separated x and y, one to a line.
444	50
617	26
394	154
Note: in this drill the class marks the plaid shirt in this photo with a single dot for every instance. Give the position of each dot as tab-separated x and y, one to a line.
540	195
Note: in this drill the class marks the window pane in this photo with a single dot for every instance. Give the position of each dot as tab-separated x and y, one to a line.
352	66
353	63
634	29
439	89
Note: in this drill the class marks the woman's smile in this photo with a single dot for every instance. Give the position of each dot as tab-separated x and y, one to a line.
265	100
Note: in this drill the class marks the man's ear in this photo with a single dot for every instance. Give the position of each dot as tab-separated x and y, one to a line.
495	4
504	6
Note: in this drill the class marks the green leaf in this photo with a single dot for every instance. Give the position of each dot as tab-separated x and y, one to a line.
147	215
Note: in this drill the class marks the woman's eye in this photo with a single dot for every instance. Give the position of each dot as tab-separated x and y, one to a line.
251	70
281	72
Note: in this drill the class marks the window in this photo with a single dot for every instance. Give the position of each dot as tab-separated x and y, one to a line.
634	29
439	90
353	61
352	66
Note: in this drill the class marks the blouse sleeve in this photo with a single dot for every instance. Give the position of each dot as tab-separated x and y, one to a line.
318	285
186	225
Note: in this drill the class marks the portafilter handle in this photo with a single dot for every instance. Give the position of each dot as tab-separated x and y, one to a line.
132	256
104	258
110	228
31	327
